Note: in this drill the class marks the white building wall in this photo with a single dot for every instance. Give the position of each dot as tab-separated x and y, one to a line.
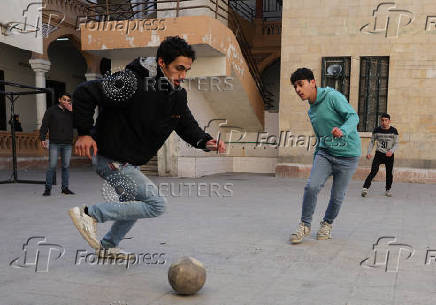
22	15
15	64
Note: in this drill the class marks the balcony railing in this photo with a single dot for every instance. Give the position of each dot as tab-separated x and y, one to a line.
270	28
28	144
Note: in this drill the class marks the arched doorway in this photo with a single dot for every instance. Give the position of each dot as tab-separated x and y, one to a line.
68	67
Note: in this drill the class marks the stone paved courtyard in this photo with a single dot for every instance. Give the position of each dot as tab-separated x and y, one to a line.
239	231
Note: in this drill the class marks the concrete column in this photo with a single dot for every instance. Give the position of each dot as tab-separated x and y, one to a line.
167	157
40	66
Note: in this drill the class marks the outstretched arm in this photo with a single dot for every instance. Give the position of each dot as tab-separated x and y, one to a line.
190	132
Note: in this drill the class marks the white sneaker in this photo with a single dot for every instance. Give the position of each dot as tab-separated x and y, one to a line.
301	232
86	225
388	193
364	192
324	231
115	253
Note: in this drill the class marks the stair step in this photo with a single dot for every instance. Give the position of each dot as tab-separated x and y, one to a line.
150	168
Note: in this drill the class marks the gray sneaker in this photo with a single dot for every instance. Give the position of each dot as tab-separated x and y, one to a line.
364	192
324	231
115	253
301	232
388	193
86	225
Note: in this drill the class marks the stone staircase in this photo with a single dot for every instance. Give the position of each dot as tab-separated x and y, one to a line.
150	169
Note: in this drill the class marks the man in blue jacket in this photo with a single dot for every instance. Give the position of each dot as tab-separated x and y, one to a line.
138	112
337	152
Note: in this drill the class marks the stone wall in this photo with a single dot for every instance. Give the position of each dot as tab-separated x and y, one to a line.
319	28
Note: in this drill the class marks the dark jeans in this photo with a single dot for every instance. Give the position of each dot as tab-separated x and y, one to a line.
380	158
65	152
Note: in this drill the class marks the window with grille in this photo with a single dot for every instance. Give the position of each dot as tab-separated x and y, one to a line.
2	103
336	74
373	91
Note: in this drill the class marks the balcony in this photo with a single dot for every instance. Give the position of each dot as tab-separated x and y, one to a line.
123	31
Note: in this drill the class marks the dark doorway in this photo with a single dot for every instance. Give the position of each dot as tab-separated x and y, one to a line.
2	103
105	66
58	87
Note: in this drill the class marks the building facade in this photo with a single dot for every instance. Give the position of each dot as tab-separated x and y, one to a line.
378	55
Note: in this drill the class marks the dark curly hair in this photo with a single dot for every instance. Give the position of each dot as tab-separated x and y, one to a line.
173	47
302	74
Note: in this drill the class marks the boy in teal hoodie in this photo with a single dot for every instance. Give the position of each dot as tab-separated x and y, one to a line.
337	151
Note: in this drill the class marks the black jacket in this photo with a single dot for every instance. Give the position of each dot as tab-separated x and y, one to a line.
132	130
59	123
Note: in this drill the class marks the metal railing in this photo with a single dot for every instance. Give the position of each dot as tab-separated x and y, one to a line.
243	9
272	28
221	9
129	9
272	9
235	25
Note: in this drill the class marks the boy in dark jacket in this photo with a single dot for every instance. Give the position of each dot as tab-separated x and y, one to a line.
58	121
137	114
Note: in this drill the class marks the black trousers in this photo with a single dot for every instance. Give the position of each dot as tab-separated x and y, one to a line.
380	158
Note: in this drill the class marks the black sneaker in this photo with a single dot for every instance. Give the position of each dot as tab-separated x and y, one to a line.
47	192
67	191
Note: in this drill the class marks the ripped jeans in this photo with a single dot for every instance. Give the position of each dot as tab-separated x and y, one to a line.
141	194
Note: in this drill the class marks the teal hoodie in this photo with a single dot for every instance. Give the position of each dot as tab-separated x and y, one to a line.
331	109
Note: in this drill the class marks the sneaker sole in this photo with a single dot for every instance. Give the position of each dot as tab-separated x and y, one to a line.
75	218
323	237
298	241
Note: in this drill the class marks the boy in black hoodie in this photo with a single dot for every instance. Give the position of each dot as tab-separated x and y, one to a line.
138	112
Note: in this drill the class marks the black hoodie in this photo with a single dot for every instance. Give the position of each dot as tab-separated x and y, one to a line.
132	130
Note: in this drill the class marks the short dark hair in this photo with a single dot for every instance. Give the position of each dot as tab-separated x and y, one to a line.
385	115
173	47
64	94
302	74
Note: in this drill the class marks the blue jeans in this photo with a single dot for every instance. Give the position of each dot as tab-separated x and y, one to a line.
325	165
145	203
65	151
